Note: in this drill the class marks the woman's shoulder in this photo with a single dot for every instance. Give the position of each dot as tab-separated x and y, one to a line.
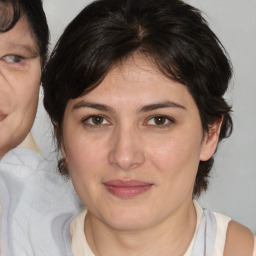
239	240
232	238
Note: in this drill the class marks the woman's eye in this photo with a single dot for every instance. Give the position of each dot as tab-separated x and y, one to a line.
159	121
96	121
13	58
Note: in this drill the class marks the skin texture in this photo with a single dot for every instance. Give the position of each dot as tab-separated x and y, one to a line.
239	240
127	143
20	73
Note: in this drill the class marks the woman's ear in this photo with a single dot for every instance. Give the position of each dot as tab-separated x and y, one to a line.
210	141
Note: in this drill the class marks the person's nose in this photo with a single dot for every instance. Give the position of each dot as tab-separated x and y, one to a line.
126	151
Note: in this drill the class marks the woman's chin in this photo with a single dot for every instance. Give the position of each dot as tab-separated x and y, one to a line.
128	220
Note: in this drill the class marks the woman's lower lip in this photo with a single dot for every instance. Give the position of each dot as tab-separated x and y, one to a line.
127	191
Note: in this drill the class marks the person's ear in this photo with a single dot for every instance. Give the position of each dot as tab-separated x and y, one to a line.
210	140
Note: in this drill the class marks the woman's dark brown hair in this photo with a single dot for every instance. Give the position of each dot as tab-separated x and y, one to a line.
172	34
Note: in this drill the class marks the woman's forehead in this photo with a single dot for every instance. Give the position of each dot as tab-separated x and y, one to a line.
20	37
137	82
135	69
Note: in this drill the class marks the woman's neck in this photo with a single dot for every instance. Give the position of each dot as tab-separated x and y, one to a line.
170	237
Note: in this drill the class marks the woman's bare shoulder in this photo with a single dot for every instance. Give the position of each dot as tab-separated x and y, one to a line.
239	241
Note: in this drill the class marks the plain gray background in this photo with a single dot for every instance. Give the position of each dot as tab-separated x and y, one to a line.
232	189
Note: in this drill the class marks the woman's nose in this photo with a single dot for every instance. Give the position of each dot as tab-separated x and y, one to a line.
126	150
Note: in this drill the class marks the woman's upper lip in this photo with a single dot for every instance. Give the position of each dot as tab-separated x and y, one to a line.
126	183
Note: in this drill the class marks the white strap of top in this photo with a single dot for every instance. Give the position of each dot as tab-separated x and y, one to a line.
205	239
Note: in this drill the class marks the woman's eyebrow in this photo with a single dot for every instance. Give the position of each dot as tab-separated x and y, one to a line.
86	104
146	108
165	104
25	47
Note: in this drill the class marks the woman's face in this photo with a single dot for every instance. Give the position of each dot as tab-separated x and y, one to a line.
20	72
133	146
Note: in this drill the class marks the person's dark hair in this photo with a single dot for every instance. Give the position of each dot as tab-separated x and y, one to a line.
172	34
12	10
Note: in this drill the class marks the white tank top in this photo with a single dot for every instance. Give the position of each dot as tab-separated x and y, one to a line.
208	240
37	207
215	226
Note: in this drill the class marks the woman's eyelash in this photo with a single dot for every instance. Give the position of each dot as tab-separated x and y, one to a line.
96	121
160	121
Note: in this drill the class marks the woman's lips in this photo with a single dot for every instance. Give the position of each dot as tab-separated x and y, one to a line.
127	188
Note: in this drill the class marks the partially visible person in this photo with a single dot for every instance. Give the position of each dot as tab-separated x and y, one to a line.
135	91
23	50
34	200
